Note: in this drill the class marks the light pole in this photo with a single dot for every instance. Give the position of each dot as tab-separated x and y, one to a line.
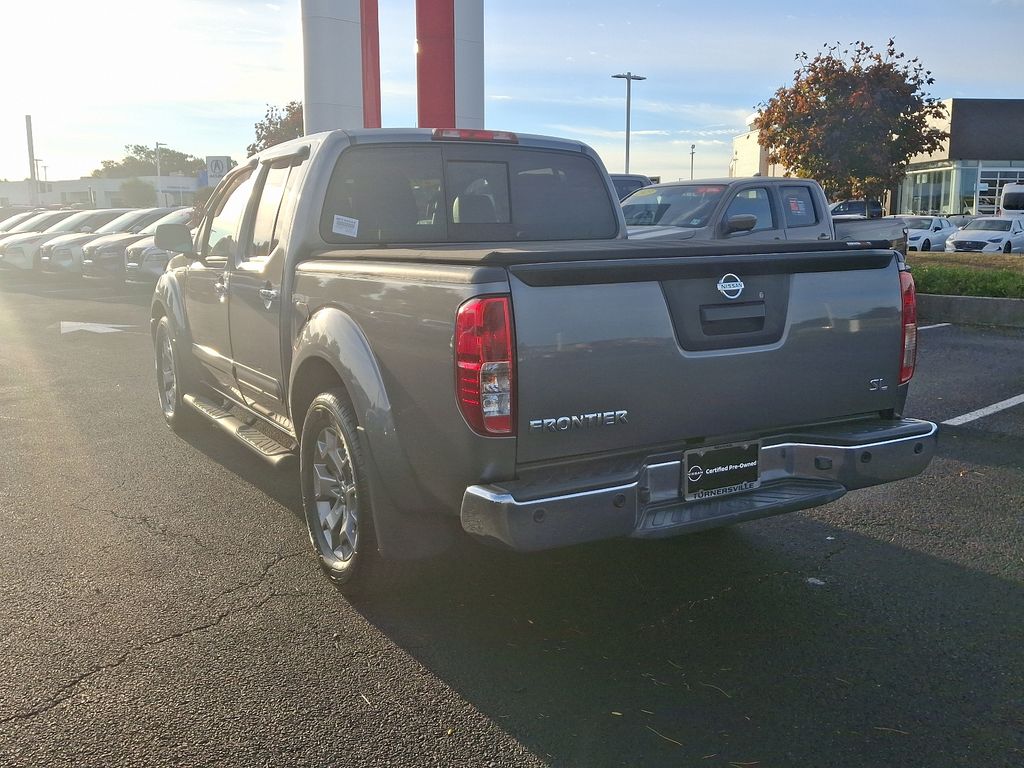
159	197
693	148
629	77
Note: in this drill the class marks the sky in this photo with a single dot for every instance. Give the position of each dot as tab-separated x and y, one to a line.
198	74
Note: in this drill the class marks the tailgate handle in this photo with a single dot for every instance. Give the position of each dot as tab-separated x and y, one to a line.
716	313
725	319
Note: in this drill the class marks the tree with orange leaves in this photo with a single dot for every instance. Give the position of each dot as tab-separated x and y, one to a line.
852	119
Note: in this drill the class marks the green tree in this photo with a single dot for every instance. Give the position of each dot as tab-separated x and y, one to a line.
140	160
278	124
852	119
137	193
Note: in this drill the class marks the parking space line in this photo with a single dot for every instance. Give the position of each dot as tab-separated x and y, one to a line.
981	412
936	325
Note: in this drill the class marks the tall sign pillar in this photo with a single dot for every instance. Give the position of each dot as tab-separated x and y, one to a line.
341	63
450	63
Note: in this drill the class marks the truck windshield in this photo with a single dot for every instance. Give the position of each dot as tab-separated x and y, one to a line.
682	205
436	194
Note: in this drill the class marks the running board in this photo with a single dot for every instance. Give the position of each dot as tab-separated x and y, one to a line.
264	446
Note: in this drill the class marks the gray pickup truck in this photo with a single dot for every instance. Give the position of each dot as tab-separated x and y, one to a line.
452	333
753	209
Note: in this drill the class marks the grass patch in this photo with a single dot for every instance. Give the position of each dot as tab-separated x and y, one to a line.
1013	262
994	275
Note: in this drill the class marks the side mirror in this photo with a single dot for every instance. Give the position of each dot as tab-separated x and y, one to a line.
175	238
741	222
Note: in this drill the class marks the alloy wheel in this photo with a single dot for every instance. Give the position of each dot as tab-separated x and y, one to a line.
334	494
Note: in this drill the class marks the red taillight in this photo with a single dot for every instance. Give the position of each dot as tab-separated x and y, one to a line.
470	134
485	365
909	345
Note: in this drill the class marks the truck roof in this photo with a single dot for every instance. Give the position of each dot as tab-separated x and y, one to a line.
410	135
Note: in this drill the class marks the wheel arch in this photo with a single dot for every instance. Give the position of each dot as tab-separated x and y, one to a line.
332	352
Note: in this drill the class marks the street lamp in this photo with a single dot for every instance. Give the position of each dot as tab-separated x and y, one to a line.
693	148
159	196
629	77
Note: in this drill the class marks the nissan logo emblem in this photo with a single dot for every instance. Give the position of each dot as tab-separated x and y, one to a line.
730	286
695	473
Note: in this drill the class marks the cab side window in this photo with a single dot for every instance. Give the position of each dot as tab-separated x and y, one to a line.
753	201
221	231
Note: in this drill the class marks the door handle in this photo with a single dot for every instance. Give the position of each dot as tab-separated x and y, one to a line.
824	236
269	294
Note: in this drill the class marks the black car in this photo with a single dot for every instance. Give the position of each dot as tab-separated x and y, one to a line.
104	256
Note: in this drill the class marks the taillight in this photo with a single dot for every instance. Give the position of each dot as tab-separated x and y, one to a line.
909	327
485	364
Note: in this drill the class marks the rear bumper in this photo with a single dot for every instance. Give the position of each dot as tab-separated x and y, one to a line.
796	472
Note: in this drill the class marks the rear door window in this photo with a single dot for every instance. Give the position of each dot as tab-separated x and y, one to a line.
798	206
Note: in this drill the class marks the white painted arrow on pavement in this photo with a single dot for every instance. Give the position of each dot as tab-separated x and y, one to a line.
71	327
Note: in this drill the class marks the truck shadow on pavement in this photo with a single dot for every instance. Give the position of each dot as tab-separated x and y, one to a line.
786	642
791	641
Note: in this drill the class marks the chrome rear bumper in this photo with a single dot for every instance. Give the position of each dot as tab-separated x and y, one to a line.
796	472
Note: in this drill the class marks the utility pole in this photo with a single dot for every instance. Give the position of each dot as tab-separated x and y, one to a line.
159	196
629	77
693	148
32	161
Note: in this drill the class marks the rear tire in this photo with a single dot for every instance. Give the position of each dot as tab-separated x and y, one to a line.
336	498
172	381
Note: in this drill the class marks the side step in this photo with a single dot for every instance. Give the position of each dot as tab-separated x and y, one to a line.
263	445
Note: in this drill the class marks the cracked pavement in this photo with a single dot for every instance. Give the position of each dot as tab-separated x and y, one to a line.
160	606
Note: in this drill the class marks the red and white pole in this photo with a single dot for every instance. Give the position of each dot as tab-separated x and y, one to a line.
341	63
450	63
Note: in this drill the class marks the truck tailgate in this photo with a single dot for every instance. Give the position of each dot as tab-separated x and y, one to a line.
624	354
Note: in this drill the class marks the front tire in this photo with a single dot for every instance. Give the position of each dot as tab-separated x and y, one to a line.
336	497
926	245
172	385
1008	248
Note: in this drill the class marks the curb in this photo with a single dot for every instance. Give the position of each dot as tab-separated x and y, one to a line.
971	310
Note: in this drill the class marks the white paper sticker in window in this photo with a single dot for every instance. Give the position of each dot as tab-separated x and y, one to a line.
343	225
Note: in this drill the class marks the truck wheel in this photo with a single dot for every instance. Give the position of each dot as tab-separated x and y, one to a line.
926	245
170	381
336	497
1008	248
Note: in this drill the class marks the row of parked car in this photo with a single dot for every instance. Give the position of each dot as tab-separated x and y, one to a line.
982	234
113	243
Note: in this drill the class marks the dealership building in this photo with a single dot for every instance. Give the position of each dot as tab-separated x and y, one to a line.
984	151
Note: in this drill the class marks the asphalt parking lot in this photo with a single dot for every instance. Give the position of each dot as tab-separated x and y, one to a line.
160	606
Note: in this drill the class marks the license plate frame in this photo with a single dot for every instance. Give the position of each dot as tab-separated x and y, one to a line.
720	470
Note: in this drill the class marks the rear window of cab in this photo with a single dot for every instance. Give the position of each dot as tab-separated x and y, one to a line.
432	194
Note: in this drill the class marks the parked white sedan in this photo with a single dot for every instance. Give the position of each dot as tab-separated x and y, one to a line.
926	233
989	234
